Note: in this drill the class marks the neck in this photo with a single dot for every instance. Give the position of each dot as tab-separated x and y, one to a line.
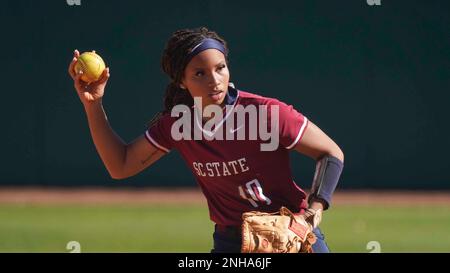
205	119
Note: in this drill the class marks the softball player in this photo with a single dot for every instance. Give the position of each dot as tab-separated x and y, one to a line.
235	175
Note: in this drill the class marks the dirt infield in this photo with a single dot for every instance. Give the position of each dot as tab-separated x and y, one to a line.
194	196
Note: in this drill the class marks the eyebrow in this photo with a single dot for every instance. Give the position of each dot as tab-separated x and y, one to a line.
218	64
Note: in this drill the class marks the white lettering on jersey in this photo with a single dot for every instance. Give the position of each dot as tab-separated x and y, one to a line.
225	168
226	172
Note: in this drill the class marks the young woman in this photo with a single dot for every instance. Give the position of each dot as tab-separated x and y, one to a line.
235	174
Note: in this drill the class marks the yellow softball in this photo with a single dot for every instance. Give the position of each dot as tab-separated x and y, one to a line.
92	66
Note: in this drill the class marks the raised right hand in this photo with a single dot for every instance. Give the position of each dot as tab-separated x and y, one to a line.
92	92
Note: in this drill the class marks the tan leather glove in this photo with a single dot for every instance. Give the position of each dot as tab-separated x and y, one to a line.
279	232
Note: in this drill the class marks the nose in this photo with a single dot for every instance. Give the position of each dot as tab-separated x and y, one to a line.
214	80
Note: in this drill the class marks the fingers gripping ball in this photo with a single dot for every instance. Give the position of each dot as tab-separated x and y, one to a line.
92	66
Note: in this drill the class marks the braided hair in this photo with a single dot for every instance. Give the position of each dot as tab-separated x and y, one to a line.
174	61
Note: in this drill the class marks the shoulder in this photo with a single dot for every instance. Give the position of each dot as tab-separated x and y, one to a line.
247	98
164	120
284	111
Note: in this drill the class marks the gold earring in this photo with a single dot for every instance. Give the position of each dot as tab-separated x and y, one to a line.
182	86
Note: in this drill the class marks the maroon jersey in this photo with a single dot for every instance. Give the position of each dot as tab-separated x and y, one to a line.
235	175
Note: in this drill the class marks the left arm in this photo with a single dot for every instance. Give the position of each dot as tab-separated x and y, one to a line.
317	145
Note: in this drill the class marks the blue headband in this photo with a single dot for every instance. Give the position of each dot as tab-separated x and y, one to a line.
207	43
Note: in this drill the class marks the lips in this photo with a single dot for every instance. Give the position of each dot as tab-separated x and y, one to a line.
216	95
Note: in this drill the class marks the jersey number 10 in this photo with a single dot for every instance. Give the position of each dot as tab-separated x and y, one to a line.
253	193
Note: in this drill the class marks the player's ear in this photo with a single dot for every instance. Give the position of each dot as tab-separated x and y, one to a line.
182	85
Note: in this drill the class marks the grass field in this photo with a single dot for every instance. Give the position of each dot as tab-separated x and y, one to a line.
187	228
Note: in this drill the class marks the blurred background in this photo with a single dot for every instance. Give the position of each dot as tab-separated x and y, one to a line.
374	75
